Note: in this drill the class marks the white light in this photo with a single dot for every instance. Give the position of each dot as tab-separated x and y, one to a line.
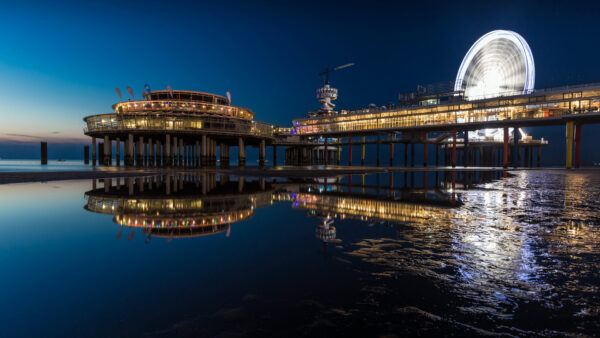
500	63
522	132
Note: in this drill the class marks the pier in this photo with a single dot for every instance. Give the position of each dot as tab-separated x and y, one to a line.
479	122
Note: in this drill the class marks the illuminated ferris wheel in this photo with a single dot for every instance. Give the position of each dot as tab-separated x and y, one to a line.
500	63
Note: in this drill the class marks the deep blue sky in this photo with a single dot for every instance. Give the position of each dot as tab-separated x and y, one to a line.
61	61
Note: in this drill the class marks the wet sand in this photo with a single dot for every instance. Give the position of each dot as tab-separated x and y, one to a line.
21	177
253	171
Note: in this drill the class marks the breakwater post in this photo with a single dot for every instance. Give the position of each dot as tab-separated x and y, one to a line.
86	154
44	157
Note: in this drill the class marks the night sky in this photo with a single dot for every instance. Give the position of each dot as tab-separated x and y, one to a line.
60	61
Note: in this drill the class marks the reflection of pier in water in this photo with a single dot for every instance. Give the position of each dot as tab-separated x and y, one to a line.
179	205
189	205
396	205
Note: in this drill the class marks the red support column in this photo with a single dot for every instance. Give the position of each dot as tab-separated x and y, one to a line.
425	154
349	150
454	148
391	152
577	144
505	150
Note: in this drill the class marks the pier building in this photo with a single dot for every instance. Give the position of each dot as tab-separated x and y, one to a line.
494	90
177	128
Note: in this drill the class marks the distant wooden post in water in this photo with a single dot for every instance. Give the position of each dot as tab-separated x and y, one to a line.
86	154
44	156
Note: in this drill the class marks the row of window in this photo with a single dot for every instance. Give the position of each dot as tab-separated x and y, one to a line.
550	98
112	122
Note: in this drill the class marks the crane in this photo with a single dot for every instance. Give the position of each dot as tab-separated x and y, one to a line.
325	74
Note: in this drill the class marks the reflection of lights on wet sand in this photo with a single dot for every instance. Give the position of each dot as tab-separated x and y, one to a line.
513	241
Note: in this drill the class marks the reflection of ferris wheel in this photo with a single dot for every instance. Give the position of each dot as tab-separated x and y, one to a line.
500	63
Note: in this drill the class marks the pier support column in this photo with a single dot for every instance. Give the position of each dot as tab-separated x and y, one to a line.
437	155
392	137
362	155
189	154
192	155
577	144
101	153
107	146
412	154
181	153
378	150
425	152
224	155
118	149
209	154
241	152
505	149
325	153
406	154
515	147
106	152
146	147
167	160
128	159
140	152
466	149
150	152
94	151
454	132
186	154
197	153
125	151
350	150
569	150
159	154
274	155
175	152
203	151
261	153
214	152
129	151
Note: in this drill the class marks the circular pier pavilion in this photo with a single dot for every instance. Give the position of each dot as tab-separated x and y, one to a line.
177	128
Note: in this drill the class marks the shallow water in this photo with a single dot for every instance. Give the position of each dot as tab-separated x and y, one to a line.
214	255
35	165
